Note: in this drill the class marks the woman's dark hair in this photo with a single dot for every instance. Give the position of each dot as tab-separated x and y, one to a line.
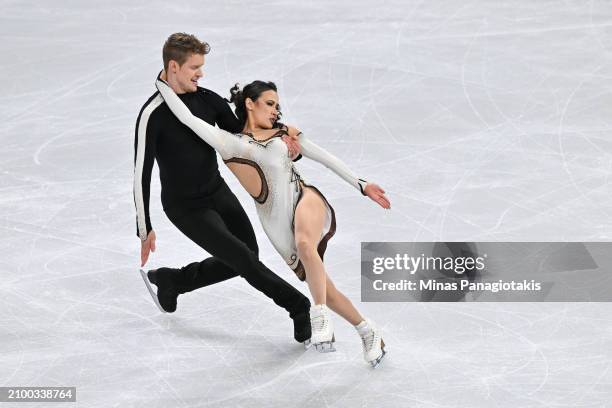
252	91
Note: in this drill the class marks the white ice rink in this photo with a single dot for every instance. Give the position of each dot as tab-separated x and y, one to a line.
483	120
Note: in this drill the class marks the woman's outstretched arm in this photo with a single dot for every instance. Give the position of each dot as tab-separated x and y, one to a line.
219	139
317	153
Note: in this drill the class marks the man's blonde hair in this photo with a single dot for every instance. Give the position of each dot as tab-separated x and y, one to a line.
180	46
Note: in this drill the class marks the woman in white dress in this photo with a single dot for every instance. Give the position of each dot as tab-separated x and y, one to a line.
297	218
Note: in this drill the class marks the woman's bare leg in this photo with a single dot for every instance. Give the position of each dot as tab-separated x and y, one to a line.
309	221
340	304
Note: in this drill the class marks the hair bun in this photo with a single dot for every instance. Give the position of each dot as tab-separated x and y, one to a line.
250	91
235	93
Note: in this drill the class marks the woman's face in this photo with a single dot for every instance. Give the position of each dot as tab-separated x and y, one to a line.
264	110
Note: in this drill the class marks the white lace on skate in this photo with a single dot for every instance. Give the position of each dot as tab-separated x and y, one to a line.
367	341
319	323
322	332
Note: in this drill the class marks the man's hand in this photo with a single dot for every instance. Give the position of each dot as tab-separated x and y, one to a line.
293	145
377	195
146	247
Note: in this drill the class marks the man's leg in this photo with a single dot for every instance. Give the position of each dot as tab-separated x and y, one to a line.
238	223
213	270
232	213
228	230
171	282
206	228
204	273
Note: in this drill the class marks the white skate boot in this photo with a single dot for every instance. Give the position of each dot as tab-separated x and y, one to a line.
372	342
322	329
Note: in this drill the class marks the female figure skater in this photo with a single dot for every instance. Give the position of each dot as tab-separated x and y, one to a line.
296	216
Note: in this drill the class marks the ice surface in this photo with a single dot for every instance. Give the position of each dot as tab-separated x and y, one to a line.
483	120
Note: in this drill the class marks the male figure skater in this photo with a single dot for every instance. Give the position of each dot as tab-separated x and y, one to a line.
194	196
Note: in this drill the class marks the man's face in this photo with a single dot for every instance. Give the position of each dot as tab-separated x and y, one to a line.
188	74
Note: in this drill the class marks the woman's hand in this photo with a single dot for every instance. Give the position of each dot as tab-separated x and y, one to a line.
293	146
377	195
292	140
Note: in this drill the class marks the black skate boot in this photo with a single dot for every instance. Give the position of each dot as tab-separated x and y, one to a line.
302	330
167	292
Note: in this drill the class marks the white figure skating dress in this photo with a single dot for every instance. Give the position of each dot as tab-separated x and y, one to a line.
281	184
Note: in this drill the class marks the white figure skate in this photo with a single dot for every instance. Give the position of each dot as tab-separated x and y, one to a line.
322	329
372	342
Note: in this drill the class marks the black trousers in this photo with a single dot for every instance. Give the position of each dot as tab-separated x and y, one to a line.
221	227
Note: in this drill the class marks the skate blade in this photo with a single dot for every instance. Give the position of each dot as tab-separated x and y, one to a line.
307	344
325	347
375	363
151	291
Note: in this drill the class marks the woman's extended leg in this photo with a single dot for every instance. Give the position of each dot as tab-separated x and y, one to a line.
371	338
308	222
340	304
